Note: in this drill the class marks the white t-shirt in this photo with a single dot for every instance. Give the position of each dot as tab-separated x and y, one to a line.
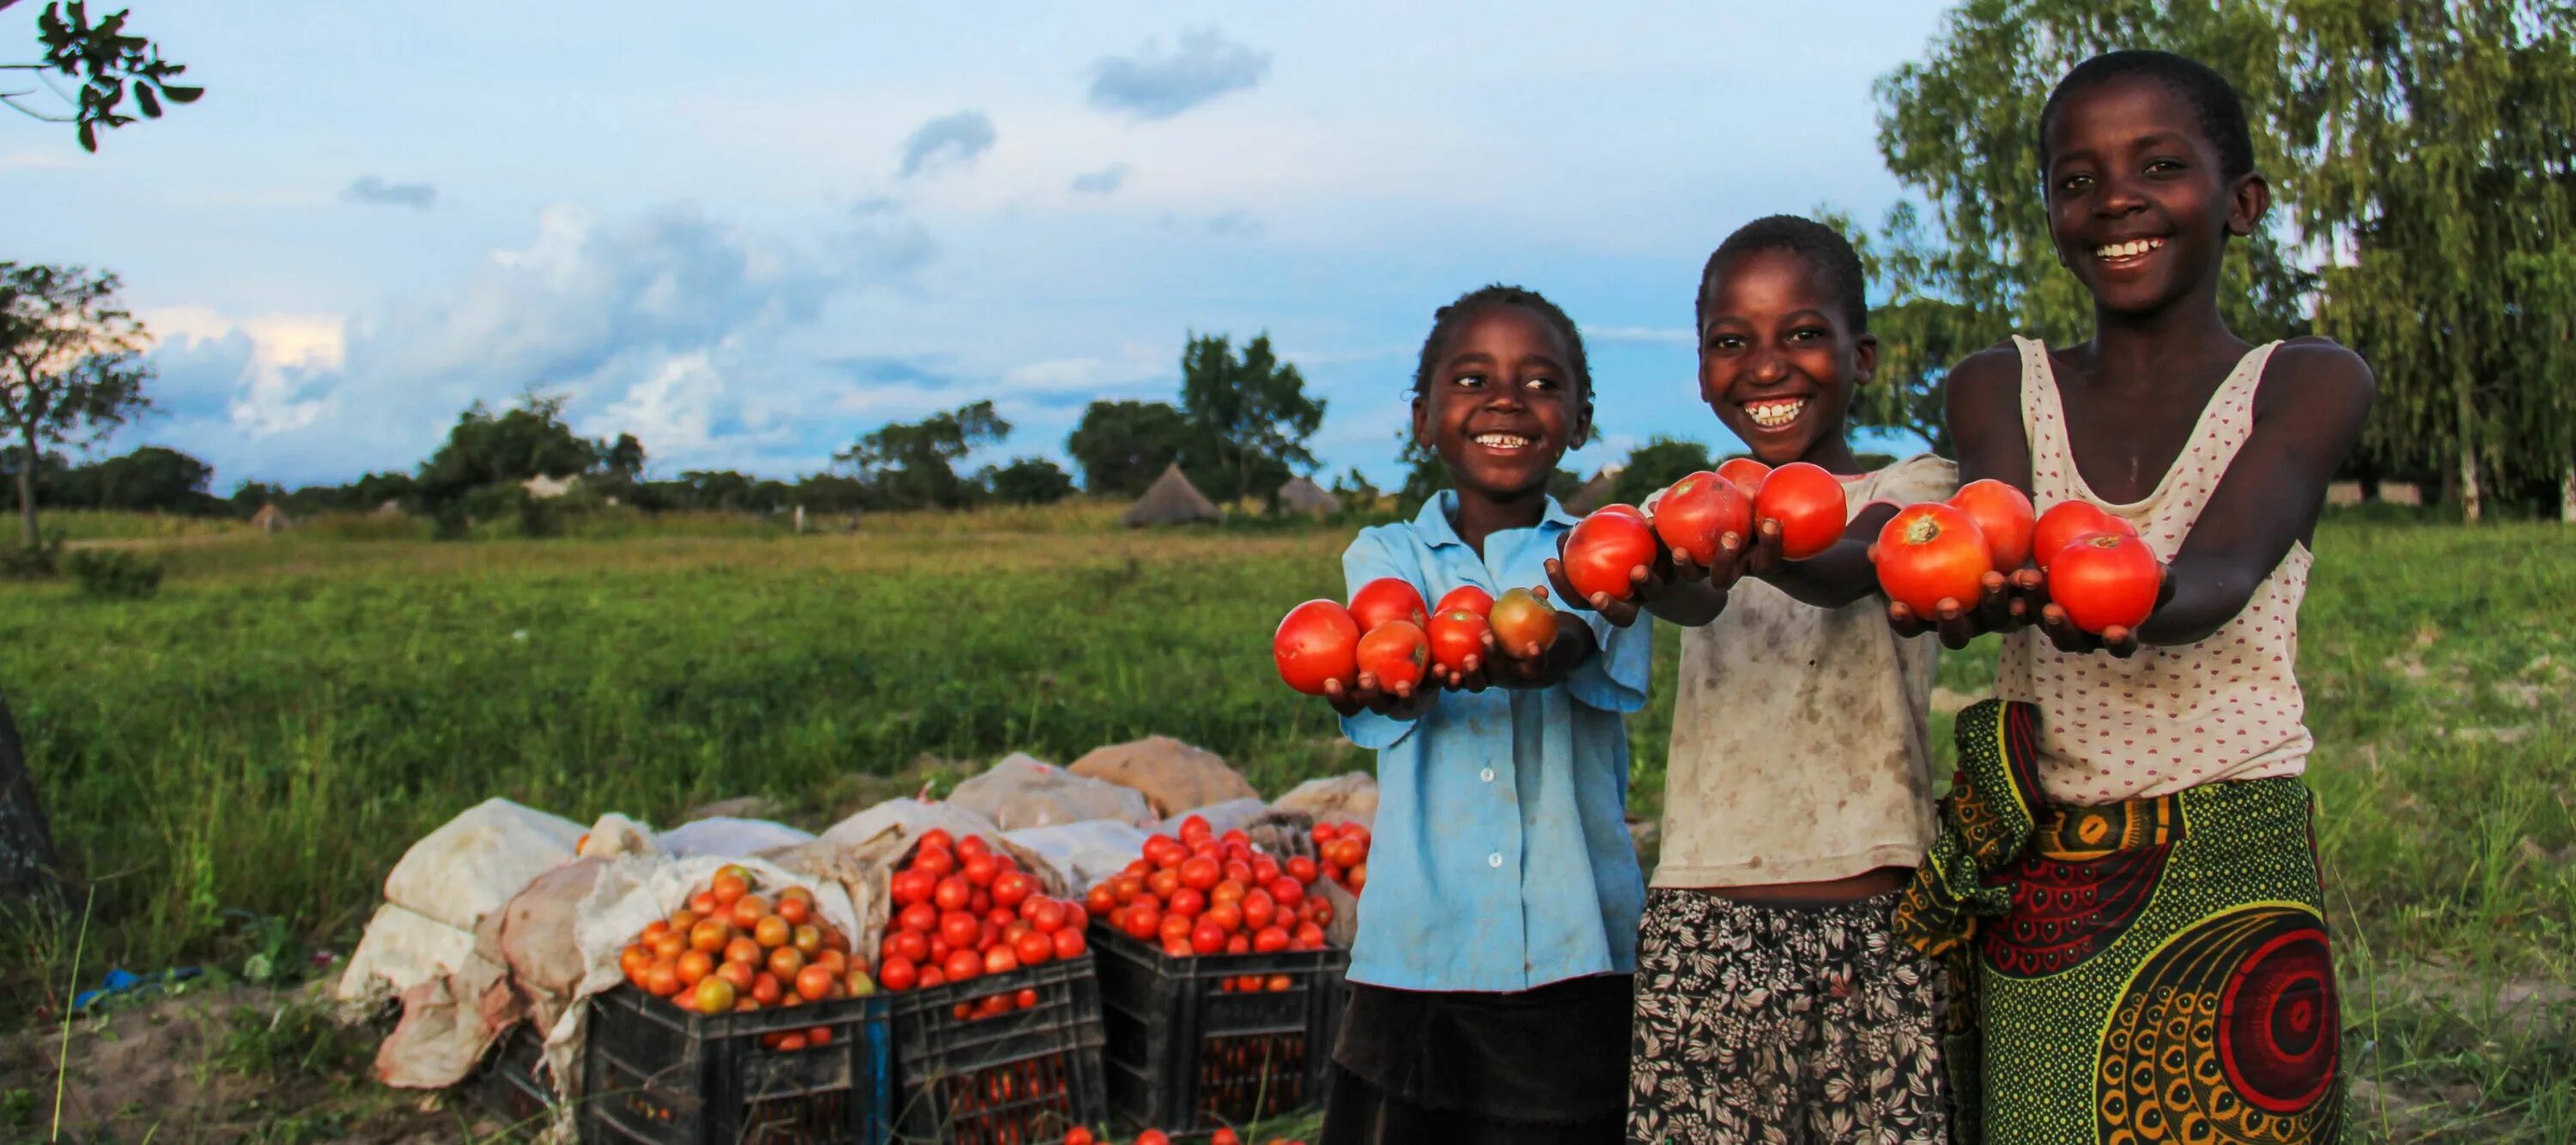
1801	746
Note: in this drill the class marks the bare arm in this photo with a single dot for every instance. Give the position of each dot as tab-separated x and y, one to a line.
1983	410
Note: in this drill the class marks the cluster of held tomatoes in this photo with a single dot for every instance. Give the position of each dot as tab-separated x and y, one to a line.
963	910
1697	512
2097	568
732	950
1388	634
1208	894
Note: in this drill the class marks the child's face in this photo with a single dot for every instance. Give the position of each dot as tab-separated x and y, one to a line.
1777	361
1502	406
2137	202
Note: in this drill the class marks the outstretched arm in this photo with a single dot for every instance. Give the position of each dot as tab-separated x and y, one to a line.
1983	411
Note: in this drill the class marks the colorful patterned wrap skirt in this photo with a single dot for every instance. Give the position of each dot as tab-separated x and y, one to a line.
2144	972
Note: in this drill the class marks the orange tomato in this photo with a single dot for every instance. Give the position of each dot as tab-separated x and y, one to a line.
772	931
662	979
815	983
728	888
669	945
807	940
715	996
749	910
702	903
710	936
785	962
741	975
742	949
694	966
1521	619
795	909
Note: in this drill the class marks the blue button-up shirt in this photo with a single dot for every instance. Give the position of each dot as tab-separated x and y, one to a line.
1501	858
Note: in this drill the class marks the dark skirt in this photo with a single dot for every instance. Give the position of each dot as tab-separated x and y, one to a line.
1542	1066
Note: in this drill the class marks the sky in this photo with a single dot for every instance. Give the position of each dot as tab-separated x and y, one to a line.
750	236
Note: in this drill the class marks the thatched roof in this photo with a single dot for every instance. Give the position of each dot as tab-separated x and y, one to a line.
1595	493
271	519
1171	501
1300	495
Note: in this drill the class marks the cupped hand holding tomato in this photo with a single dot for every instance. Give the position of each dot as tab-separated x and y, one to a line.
1679	586
2021	600
1527	663
1367	693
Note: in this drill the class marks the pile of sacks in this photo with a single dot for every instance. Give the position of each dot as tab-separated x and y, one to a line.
508	914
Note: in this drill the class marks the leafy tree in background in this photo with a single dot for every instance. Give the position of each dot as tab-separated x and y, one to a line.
151	479
71	365
1122	446
1355	492
913	465
2438	147
529	440
109	64
1028	481
1249	418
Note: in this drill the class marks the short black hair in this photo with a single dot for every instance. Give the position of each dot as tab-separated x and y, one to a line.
1823	247
1445	321
2222	111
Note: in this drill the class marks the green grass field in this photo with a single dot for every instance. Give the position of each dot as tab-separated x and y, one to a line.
271	732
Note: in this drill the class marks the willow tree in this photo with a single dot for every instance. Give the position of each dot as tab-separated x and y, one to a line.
2438	140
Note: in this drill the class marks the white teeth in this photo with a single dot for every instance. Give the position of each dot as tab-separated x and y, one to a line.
1502	441
2129	249
1773	415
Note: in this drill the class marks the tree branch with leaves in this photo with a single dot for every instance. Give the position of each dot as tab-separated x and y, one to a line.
106	63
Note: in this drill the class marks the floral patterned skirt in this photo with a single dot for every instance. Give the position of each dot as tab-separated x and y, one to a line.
1786	1024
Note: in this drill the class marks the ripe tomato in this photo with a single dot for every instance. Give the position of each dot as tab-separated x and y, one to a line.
980	870
920	916
937	863
1238	943
702	903
814	983
953	893
1301	868
728	887
710	936
715	996
742	948
1187	900
932	977
2067	520
1317	642
1258	907
1320	910
1195	830
971	846
786	962
1070	943
1078	1135
1603	550
1011	888
1207	938
1048	918
1225	1136
1144	922
962	965
808	940
1101	899
662	978
1928	553
1178	947
960	929
1286	892
1346	852
1457	634
910	886
2106	579
1001	960
1808	502
1227	916
1231	890
1153	1137
741	974
938	837
1699	510
1163	882
694	966
1176	926
1324	832
1386	600
1307	936
1466	596
772	932
1520	619
797	911
1745	474
1200	873
2003	517
1269	939
1357	878
749	910
1033	948
1396	653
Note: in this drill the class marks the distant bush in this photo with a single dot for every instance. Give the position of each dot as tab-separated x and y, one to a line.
38	563
112	574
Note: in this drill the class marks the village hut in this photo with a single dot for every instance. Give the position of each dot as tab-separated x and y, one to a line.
1300	495
391	508
1171	500
544	488
1600	491
271	519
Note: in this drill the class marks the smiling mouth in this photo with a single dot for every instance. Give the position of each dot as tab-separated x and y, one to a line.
1504	442
1775	413
2127	253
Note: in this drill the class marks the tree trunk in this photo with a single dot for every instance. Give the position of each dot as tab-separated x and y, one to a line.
27	495
2472	500
2567	494
26	843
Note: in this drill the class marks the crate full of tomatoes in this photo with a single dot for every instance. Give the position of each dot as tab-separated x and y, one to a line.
1218	989
745	1019
996	1009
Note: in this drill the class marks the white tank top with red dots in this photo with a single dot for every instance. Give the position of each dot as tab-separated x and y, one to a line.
2166	719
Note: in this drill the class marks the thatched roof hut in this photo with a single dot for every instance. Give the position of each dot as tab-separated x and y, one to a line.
1300	495
271	519
1171	500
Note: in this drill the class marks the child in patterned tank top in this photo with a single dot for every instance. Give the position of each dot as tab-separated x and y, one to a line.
2168	881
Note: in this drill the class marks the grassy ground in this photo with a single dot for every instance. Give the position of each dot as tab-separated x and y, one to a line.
264	738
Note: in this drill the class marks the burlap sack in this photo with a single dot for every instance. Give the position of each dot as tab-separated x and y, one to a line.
1349	798
1173	775
1023	791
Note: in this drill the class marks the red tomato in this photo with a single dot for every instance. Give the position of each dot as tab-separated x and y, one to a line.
1301	868
1026	999
1604	549
1745	474
1001	960
953	893
1207	938
2106	579
1396	653
960	930
1228	891
1357	878
897	974
1188	901
1048	918
815	983
980	870
932	977
920	916
1317	642
1178	948
1227	916
2067	520
1033	948
910	945
971	846
1195	830
910	886
1144	922
1457	634
2003	517
1264	870
1386	600
1286	892
1176	926
1324	832
1101	899
1808	502
1699	510
962	965
1225	1137
1070	943
1258	907
1269	939
1520	619
934	862
939	838
1466	596
1078	1136
1011	888
1200	873
1153	1137
1164	882
1307	936
1928	553
1346	852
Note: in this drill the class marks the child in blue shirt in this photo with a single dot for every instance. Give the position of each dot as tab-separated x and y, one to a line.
1490	979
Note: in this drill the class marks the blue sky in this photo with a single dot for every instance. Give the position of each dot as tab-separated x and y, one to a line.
750	238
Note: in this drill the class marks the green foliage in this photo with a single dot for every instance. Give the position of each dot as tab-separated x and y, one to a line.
109	63
1028	481
1424	475
1249	418
39	561
1122	446
1355	492
71	365
114	574
913	466
1656	464
484	449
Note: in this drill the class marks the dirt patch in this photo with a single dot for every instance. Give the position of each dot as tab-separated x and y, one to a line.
220	1064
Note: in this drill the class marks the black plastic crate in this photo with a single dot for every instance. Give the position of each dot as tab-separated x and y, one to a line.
655	1074
511	1084
1188	1052
1016	1078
